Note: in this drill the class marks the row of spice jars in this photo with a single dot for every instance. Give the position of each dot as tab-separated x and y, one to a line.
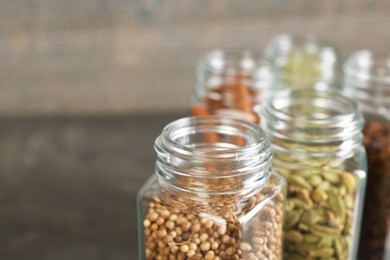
236	85
221	198
317	144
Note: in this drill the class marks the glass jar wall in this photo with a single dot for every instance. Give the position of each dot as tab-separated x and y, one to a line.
317	143
212	200
231	84
303	61
367	80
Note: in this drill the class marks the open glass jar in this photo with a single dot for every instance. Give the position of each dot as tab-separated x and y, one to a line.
303	61
317	144
231	84
212	200
367	80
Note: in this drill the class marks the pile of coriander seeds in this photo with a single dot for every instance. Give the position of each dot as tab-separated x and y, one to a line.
175	233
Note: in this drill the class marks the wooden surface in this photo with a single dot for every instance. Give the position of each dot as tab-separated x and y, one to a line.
68	186
116	57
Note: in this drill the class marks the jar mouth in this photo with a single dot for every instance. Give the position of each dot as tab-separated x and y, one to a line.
237	159
367	64
185	137
302	60
312	107
232	67
227	62
323	122
367	78
283	44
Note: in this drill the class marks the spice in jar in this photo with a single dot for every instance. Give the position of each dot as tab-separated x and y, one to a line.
231	84
303	61
366	79
189	234
233	99
319	212
301	69
376	214
205	204
317	144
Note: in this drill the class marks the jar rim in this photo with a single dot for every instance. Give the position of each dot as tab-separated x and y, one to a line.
369	64
303	59
367	79
326	123
185	163
221	60
282	44
348	111
259	140
233	65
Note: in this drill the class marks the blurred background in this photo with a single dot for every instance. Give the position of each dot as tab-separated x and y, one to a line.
115	57
86	86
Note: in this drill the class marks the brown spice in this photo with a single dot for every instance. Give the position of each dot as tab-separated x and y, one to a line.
201	109
234	98
187	235
376	213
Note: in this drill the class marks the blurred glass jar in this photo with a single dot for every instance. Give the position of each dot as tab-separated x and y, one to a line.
321	155
387	251
231	84
211	200
367	80
303	61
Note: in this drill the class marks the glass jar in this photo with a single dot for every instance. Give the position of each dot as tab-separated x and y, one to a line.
211	200
367	79
303	61
231	84
321	155
387	250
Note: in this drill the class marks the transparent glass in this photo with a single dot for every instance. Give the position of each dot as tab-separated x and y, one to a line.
387	250
231	84
303	61
317	143
367	80
212	200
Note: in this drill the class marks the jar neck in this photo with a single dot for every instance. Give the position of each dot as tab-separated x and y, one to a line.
237	160
302	61
317	124
221	68
367	79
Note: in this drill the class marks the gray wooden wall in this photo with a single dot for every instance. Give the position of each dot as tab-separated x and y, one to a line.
77	57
